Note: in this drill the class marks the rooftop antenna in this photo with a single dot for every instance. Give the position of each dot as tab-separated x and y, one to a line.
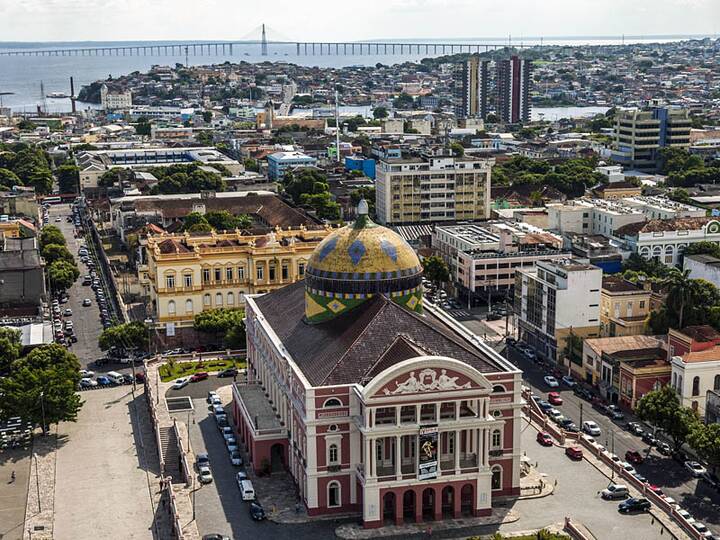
263	46
337	125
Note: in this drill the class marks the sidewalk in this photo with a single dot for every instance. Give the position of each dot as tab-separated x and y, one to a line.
40	512
352	531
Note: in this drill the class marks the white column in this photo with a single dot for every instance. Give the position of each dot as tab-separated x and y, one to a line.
457	451
368	456
398	456
486	455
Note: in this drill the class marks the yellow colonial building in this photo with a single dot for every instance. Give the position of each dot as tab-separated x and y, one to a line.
191	272
624	307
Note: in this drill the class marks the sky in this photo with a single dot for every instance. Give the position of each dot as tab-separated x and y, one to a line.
323	20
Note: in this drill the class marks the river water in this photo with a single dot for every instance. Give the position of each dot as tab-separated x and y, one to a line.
22	75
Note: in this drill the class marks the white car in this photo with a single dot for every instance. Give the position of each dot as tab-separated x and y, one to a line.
232	445
182	382
87	382
227	432
702	529
591	428
685	515
239	477
569	381
86	373
551	381
205	475
695	468
629	468
555	415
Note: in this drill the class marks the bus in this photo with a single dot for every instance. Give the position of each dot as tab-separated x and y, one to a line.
52	200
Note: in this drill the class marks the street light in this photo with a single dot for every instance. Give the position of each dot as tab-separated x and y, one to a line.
42	409
37	481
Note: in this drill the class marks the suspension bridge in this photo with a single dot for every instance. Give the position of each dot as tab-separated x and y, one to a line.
301	48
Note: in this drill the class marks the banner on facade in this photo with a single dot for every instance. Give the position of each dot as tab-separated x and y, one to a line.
428	446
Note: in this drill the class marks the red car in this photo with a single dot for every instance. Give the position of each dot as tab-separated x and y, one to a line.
574	452
656	490
544	438
634	457
554	398
202	375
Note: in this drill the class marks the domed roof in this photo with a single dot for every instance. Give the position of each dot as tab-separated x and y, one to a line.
358	261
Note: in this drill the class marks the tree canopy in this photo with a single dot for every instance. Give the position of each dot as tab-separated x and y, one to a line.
29	164
435	269
68	176
186	178
9	347
56	252
662	409
225	323
309	187
50	234
42	386
62	274
132	335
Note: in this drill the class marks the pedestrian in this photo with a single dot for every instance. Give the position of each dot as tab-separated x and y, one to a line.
12	477
297	508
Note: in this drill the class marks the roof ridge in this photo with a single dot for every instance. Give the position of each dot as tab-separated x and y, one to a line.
400	337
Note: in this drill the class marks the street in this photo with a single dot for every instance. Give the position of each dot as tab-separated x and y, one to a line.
696	497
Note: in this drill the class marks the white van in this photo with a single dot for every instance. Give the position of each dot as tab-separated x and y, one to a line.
115	377
246	490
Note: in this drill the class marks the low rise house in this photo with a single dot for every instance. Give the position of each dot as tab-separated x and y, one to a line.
624	307
694	353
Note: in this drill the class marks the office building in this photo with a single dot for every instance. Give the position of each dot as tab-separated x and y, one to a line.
373	404
482	257
471	89
556	299
432	188
280	162
513	90
640	134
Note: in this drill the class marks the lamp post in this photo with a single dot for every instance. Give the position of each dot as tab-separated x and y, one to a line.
37	481
42	409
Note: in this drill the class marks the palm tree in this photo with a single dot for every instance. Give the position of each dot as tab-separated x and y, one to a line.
244	222
679	286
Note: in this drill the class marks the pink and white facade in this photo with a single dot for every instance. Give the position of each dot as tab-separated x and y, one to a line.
416	437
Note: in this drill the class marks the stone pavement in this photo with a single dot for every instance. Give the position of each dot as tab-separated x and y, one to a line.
13	495
352	531
40	512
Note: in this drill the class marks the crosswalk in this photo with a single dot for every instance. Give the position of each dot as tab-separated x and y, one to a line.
460	314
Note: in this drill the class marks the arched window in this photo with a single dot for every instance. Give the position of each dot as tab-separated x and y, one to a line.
696	386
674	380
333	494
333	454
680	384
716	383
498	388
645	252
207	300
171	307
497	473
188	306
332	402
669	250
496	439
218	299
230	299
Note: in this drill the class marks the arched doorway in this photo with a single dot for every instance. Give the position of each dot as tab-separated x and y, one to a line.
389	507
428	503
409	505
496	482
466	500
277	458
448	501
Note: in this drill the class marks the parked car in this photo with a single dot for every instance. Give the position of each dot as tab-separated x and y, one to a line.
568	425
205	475
615	491
215	536
86	302
86	373
695	468
240	476
103	381
493	316
574	452
634	457
256	511
236	458
702	529
684	514
569	381
202	460
544	438
551	381
554	398
182	382
648	439
555	415
227	432
614	412
656	490
232	444
230	372
591	428
633	504
628	467
211	396
200	376
635	428
664	448
544	405
711	479
67	312
87	382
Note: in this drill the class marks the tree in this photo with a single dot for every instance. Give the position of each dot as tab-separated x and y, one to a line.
41	387
9	347
436	270
702	248
226	322
8	179
132	335
457	149
196	222
62	275
679	287
41	180
56	252
251	165
51	235
205	138
403	101
379	113
68	178
244	222
114	176
207	116
221	220
705	440
662	409
143	127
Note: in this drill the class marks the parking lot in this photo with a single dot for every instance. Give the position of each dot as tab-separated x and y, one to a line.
693	495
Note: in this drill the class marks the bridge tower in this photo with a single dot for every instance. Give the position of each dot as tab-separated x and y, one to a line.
263	46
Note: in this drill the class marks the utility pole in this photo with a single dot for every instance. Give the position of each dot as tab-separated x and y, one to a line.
337	125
